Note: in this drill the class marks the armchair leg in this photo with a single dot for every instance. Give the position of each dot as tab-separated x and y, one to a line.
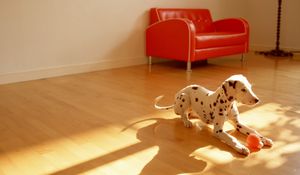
150	60
189	66
242	57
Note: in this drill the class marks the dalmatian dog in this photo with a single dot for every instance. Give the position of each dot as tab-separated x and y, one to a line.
217	107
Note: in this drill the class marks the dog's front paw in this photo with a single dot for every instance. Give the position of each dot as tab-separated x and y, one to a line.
187	123
243	150
267	141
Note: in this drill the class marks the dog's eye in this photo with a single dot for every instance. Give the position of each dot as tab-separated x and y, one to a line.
243	90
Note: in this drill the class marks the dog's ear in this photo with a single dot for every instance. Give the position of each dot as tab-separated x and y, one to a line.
232	83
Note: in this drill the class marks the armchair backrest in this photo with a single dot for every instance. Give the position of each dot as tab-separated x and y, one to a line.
200	17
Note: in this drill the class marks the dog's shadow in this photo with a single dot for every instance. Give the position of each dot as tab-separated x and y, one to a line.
176	145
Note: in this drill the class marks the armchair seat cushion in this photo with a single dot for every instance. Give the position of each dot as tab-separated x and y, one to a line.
219	39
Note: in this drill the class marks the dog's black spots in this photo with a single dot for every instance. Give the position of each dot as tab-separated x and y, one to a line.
195	88
212	117
221	110
203	111
233	84
221	113
218	96
189	114
239	126
207	94
237	129
221	101
210	106
201	102
181	106
207	121
248	133
230	98
243	90
224	89
219	131
217	124
183	100
215	103
196	99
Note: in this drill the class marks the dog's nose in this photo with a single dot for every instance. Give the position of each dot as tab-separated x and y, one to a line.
256	100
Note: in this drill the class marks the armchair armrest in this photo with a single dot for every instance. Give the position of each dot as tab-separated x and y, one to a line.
238	25
172	38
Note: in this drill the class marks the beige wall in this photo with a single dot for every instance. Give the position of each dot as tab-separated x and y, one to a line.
262	17
45	38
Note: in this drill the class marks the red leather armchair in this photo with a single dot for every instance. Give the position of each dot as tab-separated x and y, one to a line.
190	35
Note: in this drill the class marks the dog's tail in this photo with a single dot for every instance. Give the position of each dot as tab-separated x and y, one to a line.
157	99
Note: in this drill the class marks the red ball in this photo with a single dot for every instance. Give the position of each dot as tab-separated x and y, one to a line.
254	141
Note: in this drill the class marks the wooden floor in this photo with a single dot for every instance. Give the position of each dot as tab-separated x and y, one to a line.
104	122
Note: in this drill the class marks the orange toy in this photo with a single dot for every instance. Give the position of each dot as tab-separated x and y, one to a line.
254	141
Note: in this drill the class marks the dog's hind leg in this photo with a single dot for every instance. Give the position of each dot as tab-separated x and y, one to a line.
181	107
185	119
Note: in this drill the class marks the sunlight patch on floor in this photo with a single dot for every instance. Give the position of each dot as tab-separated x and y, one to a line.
212	154
69	151
278	152
274	158
262	116
122	164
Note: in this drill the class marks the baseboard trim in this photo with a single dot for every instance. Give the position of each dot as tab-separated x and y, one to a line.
265	47
68	70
